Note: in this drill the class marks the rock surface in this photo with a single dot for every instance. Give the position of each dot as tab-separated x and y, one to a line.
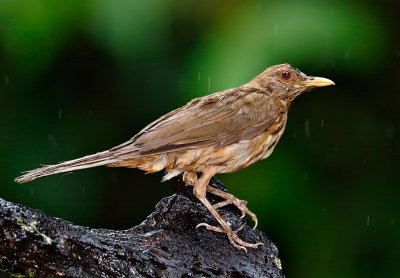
166	244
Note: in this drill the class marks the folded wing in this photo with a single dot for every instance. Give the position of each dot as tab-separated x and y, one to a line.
205	122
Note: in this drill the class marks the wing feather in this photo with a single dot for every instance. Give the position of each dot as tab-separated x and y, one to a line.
218	119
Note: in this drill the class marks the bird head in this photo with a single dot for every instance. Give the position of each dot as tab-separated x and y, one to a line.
286	82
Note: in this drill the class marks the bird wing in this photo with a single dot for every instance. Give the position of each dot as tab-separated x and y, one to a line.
218	119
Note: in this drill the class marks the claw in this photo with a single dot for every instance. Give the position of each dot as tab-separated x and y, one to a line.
201	225
241	228
255	223
259	244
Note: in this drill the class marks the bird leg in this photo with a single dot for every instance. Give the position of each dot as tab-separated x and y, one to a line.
190	178
199	190
230	199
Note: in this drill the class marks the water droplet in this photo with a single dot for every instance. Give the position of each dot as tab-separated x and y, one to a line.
198	76
294	134
307	127
398	53
331	11
276	30
367	220
322	123
59	114
364	161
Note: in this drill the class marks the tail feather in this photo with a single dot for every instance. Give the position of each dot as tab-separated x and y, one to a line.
98	159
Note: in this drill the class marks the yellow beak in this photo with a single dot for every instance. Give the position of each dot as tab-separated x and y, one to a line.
318	82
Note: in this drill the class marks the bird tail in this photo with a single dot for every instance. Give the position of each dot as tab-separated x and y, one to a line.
97	159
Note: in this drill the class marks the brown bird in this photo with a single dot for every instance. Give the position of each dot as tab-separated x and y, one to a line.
219	133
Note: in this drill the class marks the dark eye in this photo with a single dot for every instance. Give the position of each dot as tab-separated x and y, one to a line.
286	75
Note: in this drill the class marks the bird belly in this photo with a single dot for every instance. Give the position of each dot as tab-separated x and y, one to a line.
226	159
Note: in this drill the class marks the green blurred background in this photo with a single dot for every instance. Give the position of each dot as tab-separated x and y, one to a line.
77	77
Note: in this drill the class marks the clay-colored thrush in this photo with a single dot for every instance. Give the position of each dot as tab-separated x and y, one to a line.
219	133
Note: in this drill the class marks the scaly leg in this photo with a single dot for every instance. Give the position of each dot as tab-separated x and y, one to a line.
230	199
190	178
199	191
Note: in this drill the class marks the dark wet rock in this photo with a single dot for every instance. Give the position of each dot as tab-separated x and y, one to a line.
166	244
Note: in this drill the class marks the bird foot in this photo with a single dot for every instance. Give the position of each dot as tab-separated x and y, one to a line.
241	205
232	236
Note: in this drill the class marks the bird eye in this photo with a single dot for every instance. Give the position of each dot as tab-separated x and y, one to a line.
286	75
